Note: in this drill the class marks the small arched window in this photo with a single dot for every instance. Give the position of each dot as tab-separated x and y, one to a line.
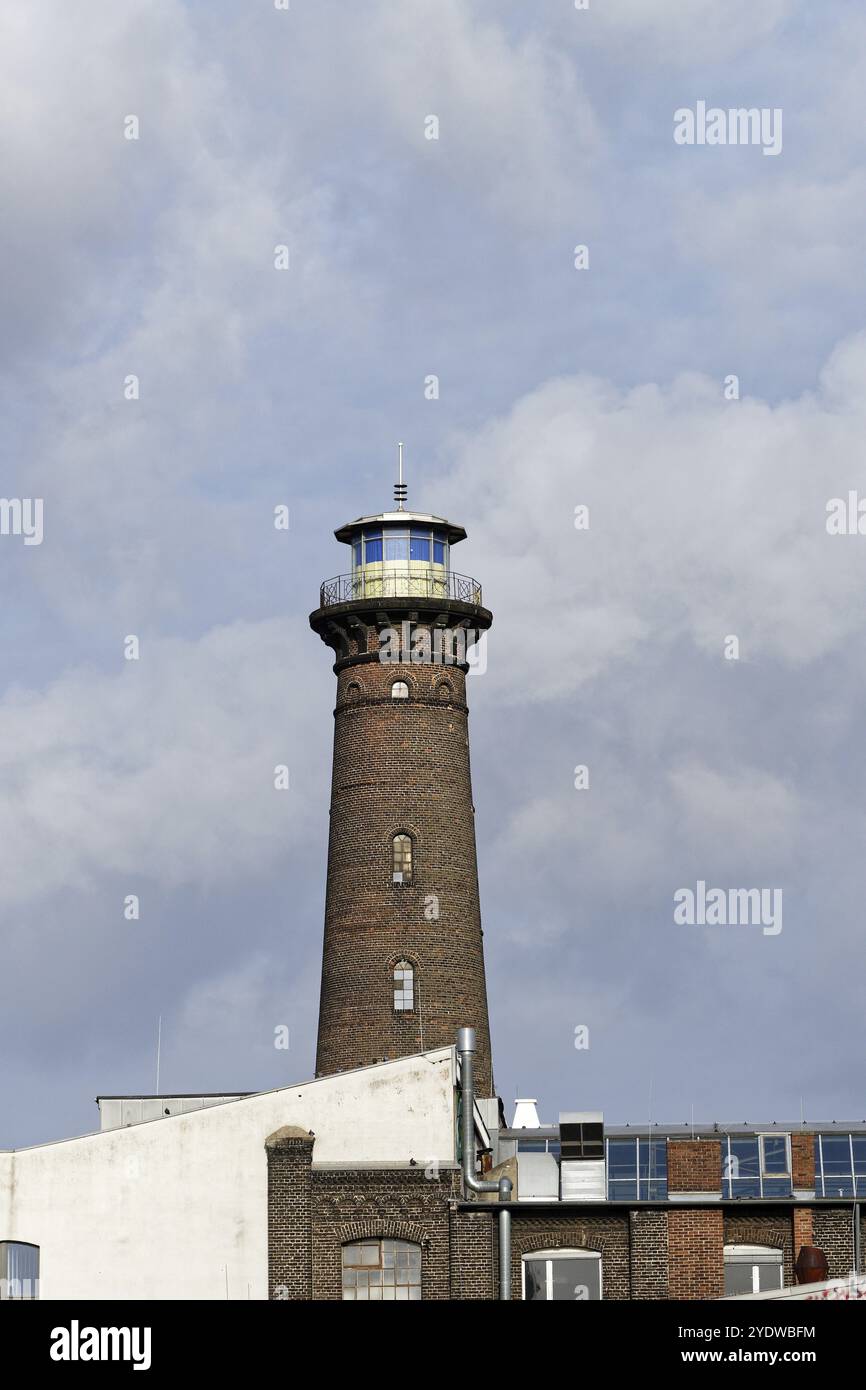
353	690
401	859
443	691
404	987
399	691
19	1270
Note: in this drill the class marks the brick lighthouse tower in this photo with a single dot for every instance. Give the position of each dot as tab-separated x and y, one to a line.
403	964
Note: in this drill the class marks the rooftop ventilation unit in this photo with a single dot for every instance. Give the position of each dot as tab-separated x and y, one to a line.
525	1115
581	1169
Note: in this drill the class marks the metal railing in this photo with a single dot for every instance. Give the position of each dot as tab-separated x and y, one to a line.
348	588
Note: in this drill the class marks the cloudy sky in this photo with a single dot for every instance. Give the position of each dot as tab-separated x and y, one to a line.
558	387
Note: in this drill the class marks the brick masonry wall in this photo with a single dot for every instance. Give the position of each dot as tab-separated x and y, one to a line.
774	1229
694	1165
608	1235
696	1252
834	1235
401	766
400	1203
289	1155
474	1254
803	1161
648	1231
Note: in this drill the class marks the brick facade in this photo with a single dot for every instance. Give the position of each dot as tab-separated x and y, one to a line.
774	1229
694	1165
696	1252
290	1259
803	1162
834	1235
647	1252
399	766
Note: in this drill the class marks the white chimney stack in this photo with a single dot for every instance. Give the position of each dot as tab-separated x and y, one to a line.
525	1115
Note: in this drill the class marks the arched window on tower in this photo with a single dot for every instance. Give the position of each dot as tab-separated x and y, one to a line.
399	691
404	987
401	859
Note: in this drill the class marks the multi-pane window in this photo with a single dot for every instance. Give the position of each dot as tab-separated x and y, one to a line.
637	1170
757	1165
404	987
399	691
562	1276
19	1270
382	1270
752	1269
401	859
416	545
840	1165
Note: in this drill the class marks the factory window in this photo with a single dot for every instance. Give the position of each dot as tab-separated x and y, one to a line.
401	858
19	1270
562	1276
399	691
752	1269
382	1271
757	1165
404	987
840	1165
637	1170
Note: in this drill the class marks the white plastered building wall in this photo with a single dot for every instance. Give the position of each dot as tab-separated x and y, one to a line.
176	1208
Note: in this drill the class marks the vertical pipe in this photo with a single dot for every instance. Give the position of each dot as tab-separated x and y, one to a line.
466	1053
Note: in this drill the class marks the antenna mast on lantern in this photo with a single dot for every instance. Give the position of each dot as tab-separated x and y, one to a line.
400	488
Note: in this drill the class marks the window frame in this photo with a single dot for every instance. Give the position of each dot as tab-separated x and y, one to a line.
400	1245
404	965
399	879
566	1253
730	1184
739	1255
852	1177
5	1249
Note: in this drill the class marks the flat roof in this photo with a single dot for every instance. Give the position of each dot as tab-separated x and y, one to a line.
710	1131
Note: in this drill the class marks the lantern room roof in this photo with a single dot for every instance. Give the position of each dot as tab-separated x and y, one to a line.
401	518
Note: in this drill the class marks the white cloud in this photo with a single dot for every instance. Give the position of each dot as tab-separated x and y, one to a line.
162	774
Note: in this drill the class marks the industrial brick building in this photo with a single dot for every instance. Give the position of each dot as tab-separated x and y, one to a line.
393	1175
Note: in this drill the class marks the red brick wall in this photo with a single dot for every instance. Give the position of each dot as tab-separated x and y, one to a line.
694	1165
696	1252
803	1161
